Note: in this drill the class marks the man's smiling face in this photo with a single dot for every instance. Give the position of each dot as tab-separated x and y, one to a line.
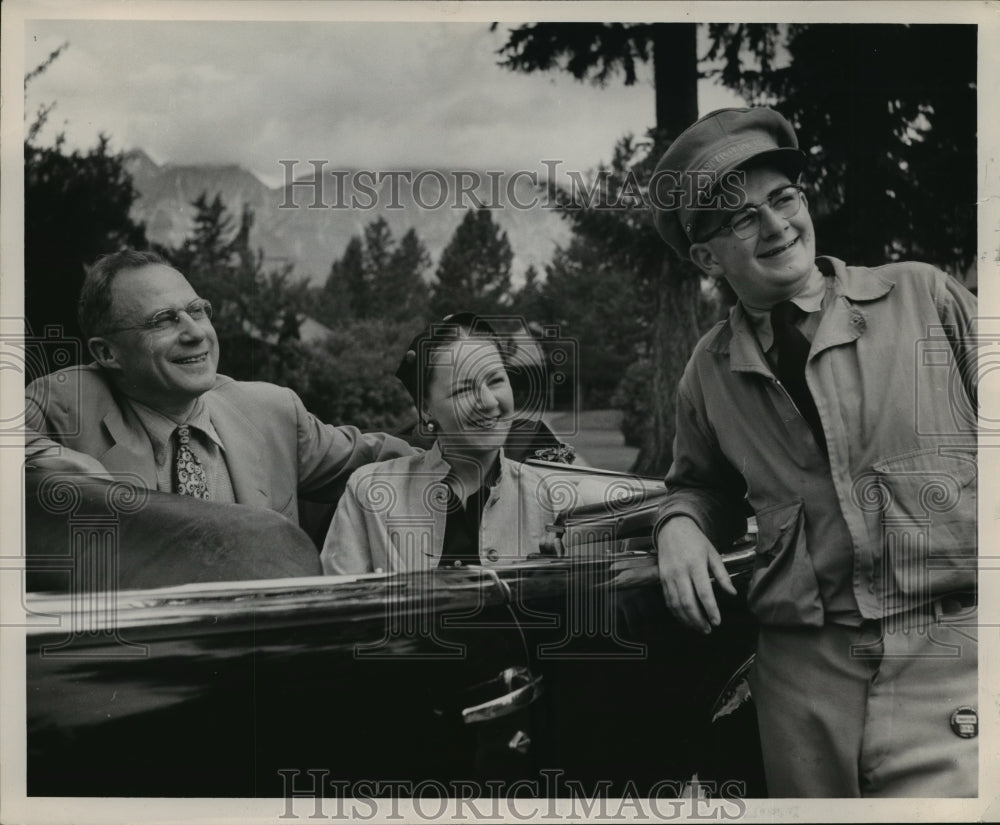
772	265
164	369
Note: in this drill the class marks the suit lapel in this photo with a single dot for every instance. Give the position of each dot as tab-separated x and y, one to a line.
131	450
244	445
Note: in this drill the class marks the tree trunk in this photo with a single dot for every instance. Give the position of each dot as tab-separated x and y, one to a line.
676	332
675	76
675	69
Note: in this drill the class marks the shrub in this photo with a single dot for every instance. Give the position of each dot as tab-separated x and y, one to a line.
350	377
632	397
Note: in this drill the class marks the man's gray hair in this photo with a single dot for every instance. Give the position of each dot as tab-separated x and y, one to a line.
94	307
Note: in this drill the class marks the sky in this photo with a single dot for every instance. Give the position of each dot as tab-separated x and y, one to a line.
360	95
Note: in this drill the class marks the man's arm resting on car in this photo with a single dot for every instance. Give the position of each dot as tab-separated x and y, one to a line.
41	453
687	561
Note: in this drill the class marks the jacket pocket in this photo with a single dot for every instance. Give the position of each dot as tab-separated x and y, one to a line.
783	588
929	518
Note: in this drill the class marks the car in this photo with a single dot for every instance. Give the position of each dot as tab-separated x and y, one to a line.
182	648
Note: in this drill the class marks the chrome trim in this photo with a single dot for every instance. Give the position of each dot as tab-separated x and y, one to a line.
744	554
520	742
735	694
653	481
516	700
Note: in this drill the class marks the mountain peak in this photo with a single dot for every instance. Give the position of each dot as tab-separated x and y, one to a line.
313	238
136	160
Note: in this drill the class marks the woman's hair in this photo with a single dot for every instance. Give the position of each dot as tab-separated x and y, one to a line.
414	369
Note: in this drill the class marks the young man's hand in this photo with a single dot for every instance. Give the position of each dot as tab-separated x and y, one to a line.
687	561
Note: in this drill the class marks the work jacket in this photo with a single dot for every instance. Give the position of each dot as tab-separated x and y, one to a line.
886	521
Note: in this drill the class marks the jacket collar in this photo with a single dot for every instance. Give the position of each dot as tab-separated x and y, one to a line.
842	321
845	320
435	463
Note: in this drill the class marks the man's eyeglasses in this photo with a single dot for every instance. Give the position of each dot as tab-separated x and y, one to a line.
784	202
169	319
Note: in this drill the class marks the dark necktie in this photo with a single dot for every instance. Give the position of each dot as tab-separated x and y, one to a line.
793	352
189	475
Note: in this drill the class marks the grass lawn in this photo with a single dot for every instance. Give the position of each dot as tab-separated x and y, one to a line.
596	436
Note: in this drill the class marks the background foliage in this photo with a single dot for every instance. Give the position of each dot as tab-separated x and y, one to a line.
76	207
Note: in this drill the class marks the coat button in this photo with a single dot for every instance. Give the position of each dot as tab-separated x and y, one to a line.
492	554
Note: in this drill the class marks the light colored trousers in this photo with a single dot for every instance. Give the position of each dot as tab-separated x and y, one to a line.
849	712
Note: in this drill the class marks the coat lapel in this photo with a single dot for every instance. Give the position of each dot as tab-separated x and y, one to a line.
244	445
130	451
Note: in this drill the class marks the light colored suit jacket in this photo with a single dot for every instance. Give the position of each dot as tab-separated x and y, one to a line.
276	451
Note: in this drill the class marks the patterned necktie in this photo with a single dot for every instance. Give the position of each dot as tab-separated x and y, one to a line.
793	352
189	475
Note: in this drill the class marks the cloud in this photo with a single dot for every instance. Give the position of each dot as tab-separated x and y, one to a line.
370	95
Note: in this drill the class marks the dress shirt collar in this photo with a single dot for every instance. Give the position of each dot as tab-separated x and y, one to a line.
161	427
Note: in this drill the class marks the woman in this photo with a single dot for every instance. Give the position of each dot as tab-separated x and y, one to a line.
462	501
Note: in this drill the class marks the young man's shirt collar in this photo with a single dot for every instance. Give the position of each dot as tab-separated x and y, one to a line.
809	299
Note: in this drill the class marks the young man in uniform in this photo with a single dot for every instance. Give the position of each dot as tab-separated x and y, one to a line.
838	403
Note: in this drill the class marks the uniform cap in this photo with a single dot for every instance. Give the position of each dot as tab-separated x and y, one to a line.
715	144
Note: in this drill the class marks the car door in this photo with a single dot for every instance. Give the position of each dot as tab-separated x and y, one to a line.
266	688
259	687
634	700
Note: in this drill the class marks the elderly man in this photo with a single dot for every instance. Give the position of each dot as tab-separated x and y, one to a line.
152	404
838	403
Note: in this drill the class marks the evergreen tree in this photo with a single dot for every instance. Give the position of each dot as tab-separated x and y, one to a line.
598	304
531	302
891	135
405	293
76	208
345	291
474	271
601	51
378	278
206	254
379	245
257	310
901	185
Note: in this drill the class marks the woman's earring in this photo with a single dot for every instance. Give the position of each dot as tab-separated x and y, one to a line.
431	426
